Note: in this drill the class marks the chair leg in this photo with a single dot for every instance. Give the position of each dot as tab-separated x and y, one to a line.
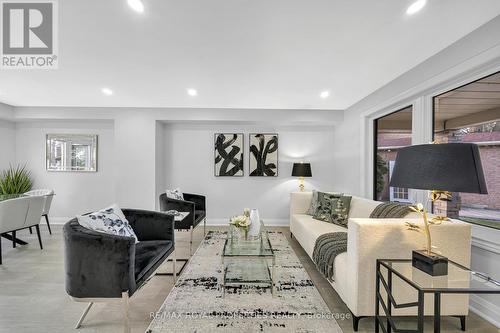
126	328
191	241
84	314
37	228
13	239
48	224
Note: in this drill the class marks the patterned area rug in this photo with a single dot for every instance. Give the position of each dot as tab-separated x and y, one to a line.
196	304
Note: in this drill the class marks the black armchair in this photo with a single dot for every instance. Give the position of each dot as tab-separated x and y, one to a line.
195	204
103	267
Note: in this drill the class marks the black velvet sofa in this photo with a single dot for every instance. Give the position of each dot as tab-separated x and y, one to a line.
102	267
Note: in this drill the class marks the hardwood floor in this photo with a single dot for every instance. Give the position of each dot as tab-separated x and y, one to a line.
32	296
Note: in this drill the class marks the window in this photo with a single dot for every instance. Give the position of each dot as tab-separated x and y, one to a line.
471	113
392	132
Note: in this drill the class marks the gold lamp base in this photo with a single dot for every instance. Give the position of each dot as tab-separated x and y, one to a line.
301	184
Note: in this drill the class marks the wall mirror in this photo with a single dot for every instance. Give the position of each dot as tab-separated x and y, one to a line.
71	152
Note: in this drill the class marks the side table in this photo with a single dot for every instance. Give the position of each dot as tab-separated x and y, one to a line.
460	280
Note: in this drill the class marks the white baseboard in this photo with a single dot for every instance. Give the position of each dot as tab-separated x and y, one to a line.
57	220
485	309
212	222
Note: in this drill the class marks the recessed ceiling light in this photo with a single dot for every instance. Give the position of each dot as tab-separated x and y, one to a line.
192	92
324	94
416	7
136	5
107	91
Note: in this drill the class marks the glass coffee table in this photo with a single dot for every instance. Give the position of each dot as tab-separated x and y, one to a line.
248	261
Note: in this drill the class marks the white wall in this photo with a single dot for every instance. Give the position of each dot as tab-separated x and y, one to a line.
7	144
6	111
160	162
486	258
134	168
76	192
480	48
470	58
189	164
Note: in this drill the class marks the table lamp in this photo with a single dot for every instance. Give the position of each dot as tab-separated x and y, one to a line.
442	169
301	170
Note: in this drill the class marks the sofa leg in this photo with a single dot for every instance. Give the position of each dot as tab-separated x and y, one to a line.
14	239
126	327
462	322
191	241
84	314
291	235
355	322
204	227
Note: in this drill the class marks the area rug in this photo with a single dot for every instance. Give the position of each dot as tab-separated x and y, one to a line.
196	303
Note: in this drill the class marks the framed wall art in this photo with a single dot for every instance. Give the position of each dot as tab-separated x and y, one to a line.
263	155
228	148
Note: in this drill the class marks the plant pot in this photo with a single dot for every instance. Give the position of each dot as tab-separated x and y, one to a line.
433	264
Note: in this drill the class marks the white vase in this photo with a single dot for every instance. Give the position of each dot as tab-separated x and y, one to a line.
254	229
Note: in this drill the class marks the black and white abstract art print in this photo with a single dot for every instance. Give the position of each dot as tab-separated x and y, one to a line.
228	154
264	155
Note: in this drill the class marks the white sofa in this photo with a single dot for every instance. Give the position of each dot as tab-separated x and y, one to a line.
371	239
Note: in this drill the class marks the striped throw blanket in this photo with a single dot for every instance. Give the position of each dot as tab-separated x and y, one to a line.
326	249
388	210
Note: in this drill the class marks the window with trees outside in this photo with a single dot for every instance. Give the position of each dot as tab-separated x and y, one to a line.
471	113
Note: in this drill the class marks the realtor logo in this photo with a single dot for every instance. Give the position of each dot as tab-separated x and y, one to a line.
28	34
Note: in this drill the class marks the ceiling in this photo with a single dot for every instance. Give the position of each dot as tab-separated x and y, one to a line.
238	53
472	99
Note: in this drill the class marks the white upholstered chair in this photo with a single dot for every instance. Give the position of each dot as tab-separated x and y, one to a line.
48	195
20	213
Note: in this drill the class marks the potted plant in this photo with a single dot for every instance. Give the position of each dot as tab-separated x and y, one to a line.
15	181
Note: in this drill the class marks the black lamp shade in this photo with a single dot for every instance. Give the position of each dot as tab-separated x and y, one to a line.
301	170
454	167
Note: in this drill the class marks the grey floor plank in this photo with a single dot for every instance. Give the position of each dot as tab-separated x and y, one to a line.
32	296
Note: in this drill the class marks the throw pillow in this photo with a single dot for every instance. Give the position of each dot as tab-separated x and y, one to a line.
108	220
175	194
313	208
325	203
340	211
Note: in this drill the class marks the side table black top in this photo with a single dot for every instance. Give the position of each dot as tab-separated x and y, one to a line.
460	280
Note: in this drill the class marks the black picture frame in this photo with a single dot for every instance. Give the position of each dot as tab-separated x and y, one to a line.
241	153
262	173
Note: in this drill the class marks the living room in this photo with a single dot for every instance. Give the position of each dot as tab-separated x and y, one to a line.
216	132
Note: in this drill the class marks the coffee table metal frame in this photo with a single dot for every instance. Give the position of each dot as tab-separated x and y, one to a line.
268	255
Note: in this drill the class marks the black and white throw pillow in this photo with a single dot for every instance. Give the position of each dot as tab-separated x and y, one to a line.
175	194
110	220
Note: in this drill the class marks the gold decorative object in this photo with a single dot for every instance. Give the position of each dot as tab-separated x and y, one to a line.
436	220
301	184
